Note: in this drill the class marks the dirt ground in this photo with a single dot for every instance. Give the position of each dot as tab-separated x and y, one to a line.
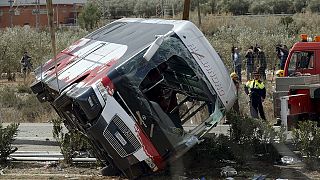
51	170
192	170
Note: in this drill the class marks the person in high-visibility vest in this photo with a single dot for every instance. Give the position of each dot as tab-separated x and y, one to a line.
257	93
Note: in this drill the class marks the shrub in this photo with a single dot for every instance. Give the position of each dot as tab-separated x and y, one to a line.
71	142
214	148
250	136
8	98
7	135
247	138
31	109
23	88
307	139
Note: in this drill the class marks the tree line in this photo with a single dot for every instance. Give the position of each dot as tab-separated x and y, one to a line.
149	8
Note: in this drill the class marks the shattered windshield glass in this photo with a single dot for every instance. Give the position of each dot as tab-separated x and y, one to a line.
172	90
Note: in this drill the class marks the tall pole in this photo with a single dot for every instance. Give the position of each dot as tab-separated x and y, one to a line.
53	36
37	14
75	14
186	9
57	12
199	13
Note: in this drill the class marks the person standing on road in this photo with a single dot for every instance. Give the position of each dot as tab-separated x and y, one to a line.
257	92
250	62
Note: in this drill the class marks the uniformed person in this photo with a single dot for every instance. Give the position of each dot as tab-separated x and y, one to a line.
236	82
279	73
257	92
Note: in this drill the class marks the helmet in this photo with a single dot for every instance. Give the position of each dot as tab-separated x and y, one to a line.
233	75
279	73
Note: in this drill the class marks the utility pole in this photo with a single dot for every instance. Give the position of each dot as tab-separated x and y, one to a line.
186	8
37	14
11	12
53	37
74	14
199	13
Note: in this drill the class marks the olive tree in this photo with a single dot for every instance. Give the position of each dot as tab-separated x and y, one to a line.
90	16
145	8
314	5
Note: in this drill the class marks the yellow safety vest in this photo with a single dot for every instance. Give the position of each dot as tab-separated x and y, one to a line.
256	83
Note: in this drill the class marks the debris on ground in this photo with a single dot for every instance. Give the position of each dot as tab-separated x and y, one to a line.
288	160
228	171
259	177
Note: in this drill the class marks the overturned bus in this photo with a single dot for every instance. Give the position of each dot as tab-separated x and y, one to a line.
144	91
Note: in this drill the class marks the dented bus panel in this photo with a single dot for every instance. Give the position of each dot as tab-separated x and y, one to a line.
143	91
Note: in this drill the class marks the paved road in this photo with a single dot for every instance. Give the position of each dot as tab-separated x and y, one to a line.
35	137
38	136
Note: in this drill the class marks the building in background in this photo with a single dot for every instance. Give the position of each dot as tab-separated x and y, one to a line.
33	13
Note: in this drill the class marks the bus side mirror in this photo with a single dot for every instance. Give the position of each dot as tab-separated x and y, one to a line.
153	48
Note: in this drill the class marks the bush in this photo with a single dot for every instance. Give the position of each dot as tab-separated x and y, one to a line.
8	98
7	135
306	139
247	138
214	148
23	107
23	88
31	109
71	143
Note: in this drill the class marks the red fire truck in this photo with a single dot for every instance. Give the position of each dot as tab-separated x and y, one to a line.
297	95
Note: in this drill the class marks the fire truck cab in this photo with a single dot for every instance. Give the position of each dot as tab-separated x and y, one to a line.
297	95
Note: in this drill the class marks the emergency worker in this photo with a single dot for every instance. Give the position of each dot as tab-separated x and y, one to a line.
236	82
257	92
279	73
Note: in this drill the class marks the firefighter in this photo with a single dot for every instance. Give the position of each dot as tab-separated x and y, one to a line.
236	82
279	73
257	92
